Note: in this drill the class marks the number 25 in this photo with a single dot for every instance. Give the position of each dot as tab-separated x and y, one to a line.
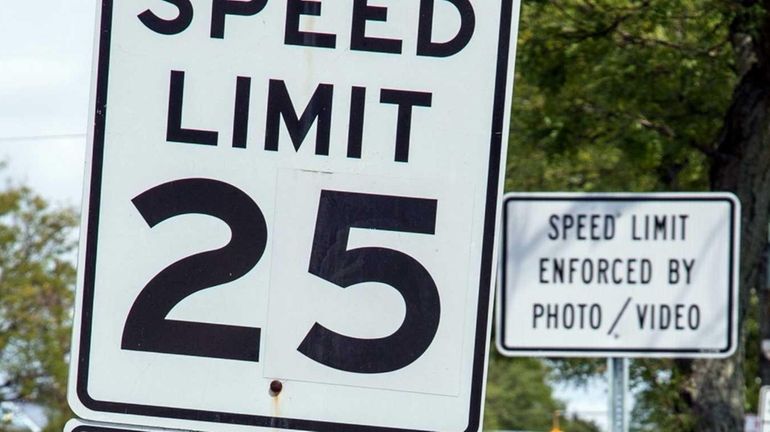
148	329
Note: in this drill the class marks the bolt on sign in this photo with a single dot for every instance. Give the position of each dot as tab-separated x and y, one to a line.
290	213
614	275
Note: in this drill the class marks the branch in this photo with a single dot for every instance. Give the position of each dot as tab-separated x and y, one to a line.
585	34
662	129
667	132
706	150
650	42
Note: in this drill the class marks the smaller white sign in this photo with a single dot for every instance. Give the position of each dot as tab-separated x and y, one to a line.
622	275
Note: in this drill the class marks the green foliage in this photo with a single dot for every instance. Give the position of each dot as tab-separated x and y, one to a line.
577	370
618	94
663	402
626	95
753	347
519	397
36	297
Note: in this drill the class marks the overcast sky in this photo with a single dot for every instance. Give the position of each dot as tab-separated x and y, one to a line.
45	74
45	68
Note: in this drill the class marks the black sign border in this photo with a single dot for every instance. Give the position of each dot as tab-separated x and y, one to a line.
102	428
626	352
498	126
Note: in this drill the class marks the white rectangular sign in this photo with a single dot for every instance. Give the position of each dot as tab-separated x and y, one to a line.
291	211
597	275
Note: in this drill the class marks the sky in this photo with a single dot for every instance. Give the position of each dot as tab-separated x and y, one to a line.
45	73
45	79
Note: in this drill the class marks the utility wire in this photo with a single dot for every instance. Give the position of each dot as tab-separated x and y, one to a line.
42	137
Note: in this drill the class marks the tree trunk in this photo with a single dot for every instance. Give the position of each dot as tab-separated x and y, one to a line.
741	164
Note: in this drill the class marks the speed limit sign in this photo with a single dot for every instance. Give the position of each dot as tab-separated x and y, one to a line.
290	213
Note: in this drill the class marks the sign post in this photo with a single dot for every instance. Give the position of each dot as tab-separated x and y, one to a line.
290	214
618	379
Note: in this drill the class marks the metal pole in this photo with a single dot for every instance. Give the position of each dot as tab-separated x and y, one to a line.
618	384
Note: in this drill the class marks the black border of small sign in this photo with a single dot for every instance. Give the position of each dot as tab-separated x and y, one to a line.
499	123
90	428
628	352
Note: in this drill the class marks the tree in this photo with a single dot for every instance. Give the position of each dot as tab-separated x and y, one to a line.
36	296
519	397
643	95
